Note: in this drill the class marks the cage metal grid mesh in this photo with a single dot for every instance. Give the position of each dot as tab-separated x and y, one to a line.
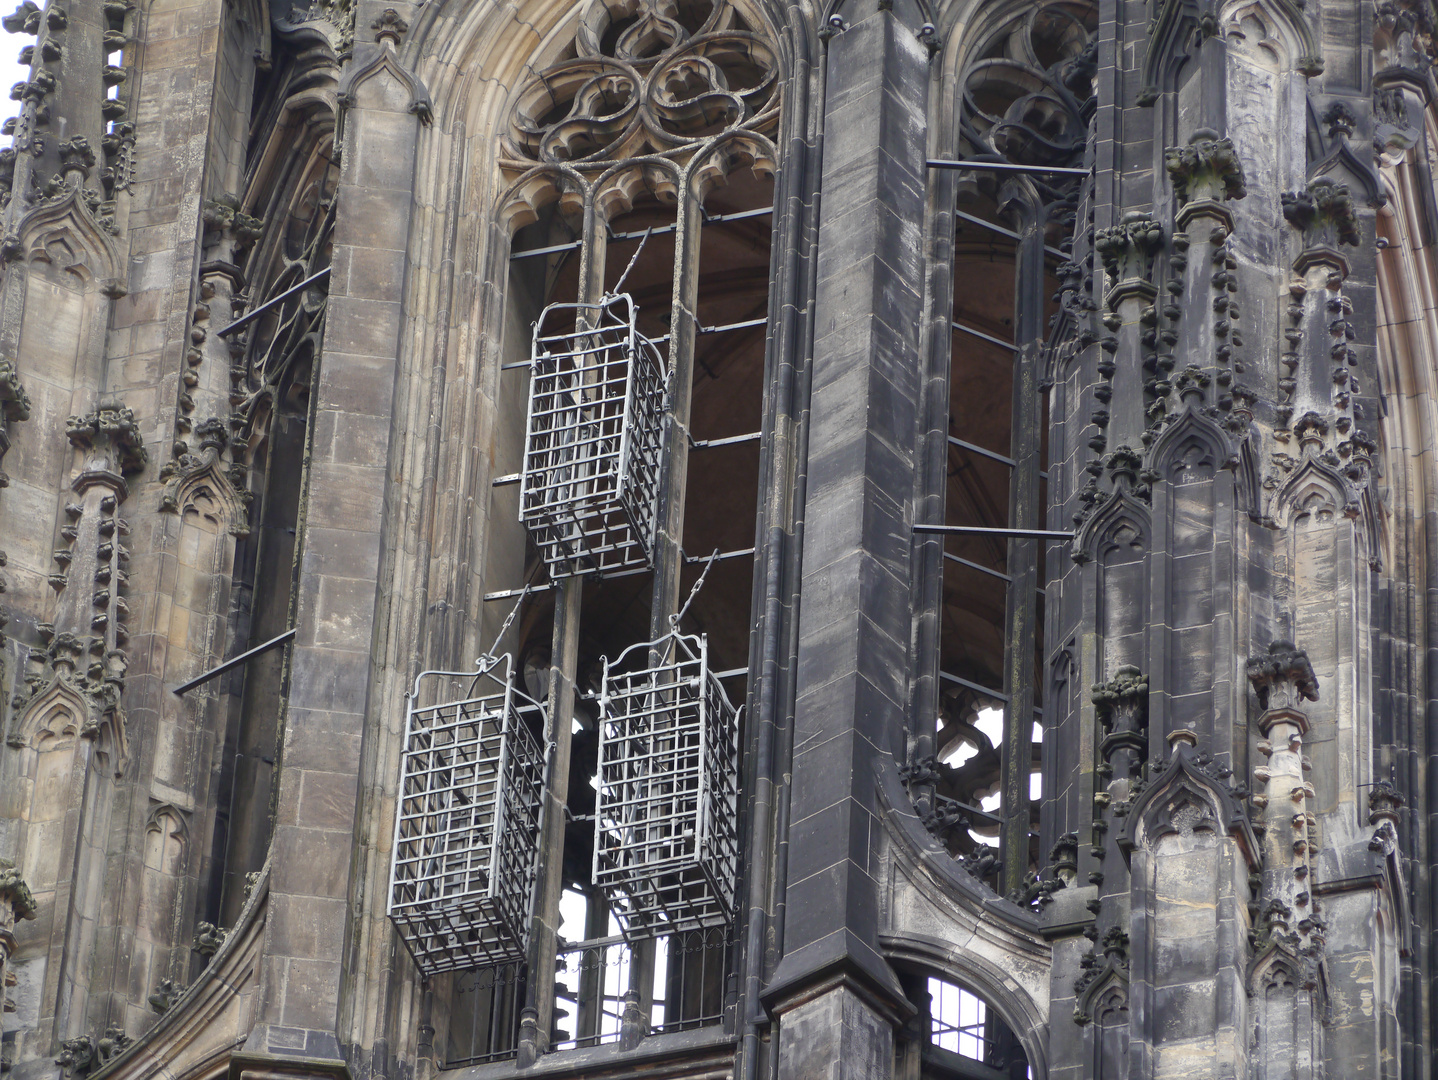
467	826
665	840
592	438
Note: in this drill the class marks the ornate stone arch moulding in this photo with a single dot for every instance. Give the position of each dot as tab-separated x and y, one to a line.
65	233
1186	797
1191	428
194	1038
932	870
1099	532
1025	1014
643	82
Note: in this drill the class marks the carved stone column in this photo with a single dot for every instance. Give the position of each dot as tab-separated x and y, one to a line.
1288	943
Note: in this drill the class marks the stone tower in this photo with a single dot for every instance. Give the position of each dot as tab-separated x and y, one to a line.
719	538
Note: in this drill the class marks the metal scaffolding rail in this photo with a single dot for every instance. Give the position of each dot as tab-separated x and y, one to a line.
665	838
467	827
593	438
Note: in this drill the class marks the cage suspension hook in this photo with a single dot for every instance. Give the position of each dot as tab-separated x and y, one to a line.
699	584
619	285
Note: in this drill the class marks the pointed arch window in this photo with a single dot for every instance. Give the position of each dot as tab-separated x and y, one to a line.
637	225
1025	100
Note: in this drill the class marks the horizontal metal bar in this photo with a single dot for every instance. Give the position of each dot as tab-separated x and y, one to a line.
974	219
236	662
250	316
508	478
516	364
658	230
692	559
993	455
733	326
979	567
510	594
1005	166
738	215
732	440
979	530
992	227
732	673
990	454
987	691
592	943
987	337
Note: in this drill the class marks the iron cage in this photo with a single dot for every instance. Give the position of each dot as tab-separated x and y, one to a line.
666	835
466	830
592	438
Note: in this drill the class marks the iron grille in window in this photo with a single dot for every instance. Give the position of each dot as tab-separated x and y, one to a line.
467	827
665	841
591	450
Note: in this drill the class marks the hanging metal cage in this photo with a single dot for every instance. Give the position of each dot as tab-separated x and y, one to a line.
467	828
666	836
592	440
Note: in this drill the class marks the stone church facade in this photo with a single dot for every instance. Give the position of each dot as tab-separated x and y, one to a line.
719	539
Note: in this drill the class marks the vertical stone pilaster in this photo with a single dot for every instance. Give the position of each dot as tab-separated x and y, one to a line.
340	598
854	624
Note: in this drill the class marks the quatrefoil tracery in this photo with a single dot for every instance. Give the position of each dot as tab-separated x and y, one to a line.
650	77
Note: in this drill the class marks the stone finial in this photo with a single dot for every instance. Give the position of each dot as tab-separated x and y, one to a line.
1122	702
16	893
212	434
1191	383
223	215
208	939
14	402
1115	944
1206	169
114	425
1123	466
76	156
1127	249
1282	677
1325	213
1339	120
165	996
1063	857
390	27
1384	802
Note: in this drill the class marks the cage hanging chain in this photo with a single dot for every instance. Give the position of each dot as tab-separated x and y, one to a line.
619	285
699	584
503	629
